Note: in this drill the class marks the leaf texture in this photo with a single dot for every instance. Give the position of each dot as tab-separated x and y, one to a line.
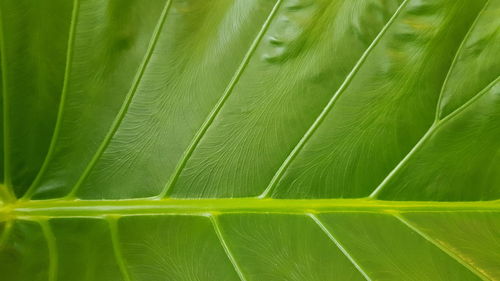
250	140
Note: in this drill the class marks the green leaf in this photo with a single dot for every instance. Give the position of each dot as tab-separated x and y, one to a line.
250	140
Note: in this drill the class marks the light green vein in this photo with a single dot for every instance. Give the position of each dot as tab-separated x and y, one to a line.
115	240
437	121
229	254
128	100
457	54
67	73
52	248
278	175
229	89
435	126
6	233
8	193
449	252
340	246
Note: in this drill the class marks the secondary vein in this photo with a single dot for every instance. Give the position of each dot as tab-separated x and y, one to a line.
52	249
217	108
442	248
340	246
278	175
435	127
229	254
67	72
457	53
6	233
437	120
9	194
115	240
128	100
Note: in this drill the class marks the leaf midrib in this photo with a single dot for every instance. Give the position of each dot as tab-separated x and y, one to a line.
70	208
112	219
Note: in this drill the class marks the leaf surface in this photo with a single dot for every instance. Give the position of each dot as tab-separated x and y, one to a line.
250	140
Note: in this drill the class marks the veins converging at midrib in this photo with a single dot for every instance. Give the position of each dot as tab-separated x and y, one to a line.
395	210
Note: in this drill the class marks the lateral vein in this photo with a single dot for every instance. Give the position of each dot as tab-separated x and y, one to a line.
52	249
457	54
215	111
67	72
434	127
443	248
128	100
115	240
229	254
8	195
6	233
340	246
279	173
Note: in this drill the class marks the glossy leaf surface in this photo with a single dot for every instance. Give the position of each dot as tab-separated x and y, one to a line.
250	140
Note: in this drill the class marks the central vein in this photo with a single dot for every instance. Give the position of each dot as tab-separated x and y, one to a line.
230	205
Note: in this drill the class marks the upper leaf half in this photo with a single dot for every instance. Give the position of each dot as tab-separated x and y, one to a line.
319	99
